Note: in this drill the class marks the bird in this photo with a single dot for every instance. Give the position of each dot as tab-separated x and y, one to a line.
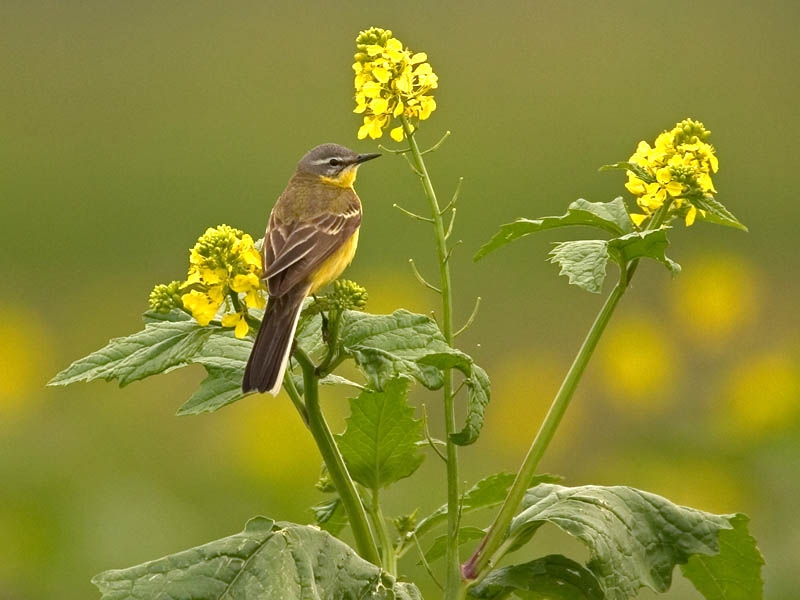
310	239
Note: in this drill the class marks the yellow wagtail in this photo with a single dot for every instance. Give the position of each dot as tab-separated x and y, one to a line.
311	237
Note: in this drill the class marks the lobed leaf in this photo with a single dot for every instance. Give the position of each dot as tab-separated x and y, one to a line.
583	262
379	445
643	244
268	560
734	573
552	577
478	388
635	538
611	217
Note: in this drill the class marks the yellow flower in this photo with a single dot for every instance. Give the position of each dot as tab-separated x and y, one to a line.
390	81
674	172
224	274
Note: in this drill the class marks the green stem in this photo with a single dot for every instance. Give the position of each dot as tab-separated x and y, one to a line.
365	542
484	557
453	585
489	550
388	556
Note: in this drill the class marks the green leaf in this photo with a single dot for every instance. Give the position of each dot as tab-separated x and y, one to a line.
385	346
465	535
268	560
330	515
552	577
635	538
611	217
716	213
638	170
734	573
379	445
478	387
488	492
583	262
643	244
160	347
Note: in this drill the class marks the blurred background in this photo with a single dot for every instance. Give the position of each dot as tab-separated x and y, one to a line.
128	128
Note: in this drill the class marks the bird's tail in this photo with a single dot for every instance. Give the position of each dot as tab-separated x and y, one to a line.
273	345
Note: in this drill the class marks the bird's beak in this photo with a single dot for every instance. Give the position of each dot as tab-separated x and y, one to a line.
361	158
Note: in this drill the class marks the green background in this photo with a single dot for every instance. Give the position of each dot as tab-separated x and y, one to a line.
127	128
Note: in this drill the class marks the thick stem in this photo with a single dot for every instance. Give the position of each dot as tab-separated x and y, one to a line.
480	562
365	542
453	585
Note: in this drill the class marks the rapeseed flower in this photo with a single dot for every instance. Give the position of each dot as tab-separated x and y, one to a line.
224	269
674	172
390	82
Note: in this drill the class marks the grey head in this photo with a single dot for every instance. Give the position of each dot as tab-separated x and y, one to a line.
331	160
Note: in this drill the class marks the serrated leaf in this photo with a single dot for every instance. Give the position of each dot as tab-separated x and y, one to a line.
637	170
583	262
220	388
439	546
611	217
734	573
385	346
635	538
379	445
268	560
160	347
552	577
715	212
478	392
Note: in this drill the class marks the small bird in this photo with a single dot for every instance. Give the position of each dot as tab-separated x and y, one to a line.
311	237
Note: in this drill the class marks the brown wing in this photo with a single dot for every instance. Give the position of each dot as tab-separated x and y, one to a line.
292	251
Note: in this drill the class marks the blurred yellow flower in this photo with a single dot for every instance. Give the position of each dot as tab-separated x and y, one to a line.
677	168
762	395
23	352
714	299
390	81
637	364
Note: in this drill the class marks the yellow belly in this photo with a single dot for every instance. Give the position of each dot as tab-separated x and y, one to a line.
334	264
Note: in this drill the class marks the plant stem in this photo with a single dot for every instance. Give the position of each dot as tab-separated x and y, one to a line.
453	585
365	542
484	557
388	556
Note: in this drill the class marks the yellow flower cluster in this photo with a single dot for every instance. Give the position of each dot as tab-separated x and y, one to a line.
390	82
223	265
224	269
674	171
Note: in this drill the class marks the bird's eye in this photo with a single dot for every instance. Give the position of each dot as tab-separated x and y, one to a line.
334	162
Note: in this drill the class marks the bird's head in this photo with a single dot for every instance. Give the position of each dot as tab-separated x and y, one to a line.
333	164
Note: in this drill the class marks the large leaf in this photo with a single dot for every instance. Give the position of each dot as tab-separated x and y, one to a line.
411	345
161	346
643	244
553	577
635	538
379	445
385	346
478	392
734	573
611	217
268	560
